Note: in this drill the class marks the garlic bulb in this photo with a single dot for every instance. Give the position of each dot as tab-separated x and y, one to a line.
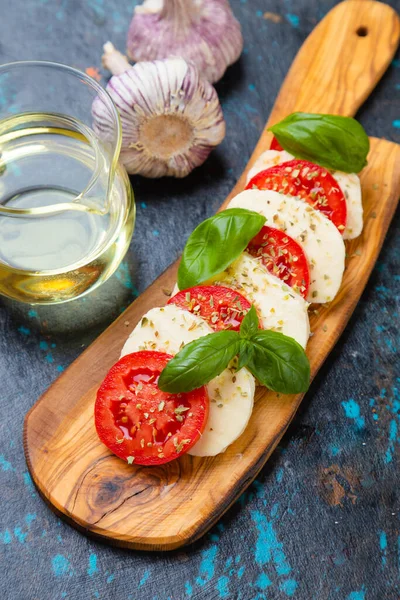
171	117
204	32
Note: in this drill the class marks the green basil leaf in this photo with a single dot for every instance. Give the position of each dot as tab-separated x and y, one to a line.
279	363
199	362
250	324
246	352
216	243
335	142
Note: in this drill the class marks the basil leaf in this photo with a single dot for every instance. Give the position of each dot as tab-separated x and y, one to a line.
279	363
216	243
332	141
250	324
199	362
246	352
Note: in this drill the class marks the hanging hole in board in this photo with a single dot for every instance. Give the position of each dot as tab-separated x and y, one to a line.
362	31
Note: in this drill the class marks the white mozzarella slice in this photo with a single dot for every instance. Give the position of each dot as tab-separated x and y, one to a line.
349	183
166	329
351	187
231	395
317	235
278	306
269	158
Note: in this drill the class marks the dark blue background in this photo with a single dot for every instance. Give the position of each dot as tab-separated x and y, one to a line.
322	520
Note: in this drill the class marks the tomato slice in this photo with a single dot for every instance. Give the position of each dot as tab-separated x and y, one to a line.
308	181
140	423
283	257
221	307
275	145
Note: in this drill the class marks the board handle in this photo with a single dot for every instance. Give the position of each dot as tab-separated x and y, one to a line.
341	61
336	68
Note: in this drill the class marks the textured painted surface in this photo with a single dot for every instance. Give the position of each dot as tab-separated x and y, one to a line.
322	520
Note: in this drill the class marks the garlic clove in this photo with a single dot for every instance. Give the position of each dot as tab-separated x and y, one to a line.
113	60
204	32
171	117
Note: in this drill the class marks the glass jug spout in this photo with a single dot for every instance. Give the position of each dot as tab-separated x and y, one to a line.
53	157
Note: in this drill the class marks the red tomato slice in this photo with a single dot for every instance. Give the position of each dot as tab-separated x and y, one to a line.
221	307
140	423
283	257
275	145
308	181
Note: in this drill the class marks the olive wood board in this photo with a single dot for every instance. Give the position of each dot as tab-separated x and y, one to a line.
162	508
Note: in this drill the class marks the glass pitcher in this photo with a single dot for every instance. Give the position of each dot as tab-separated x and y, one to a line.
67	210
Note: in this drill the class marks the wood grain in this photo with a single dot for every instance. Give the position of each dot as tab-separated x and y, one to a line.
166	507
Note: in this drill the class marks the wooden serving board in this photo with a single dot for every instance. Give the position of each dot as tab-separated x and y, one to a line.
161	508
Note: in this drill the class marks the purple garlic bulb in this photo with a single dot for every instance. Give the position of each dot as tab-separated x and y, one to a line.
171	116
204	32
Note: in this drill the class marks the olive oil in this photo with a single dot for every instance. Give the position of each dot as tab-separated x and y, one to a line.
53	160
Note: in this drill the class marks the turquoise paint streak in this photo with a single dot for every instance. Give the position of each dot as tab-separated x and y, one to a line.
5	465
20	535
29	518
24	330
6	537
267	545
207	565
334	450
392	440
352	411
383	546
396	123
258	488
145	577
92	568
274	509
293	20
223	587
289	587
357	595
188	589
263	581
60	565
123	275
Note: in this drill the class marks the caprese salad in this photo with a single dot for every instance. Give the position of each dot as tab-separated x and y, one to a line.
238	316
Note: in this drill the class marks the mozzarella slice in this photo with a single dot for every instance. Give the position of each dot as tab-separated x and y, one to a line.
351	187
269	158
317	235
231	395
278	306
349	183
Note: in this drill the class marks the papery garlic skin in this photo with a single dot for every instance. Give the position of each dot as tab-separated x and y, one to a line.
171	117
204	32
